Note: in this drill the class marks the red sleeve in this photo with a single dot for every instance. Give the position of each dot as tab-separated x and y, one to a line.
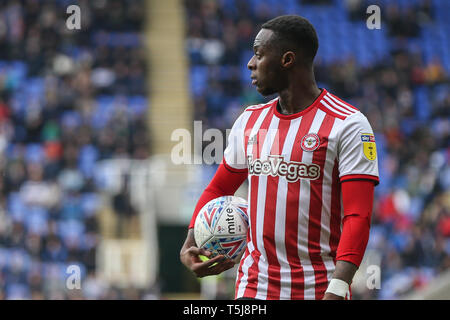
225	182
357	199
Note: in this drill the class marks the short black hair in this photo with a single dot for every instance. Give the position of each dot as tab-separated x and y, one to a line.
294	31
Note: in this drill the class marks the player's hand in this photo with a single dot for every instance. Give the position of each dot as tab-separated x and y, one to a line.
191	259
331	296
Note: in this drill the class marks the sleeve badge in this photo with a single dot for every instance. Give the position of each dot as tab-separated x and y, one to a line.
369	147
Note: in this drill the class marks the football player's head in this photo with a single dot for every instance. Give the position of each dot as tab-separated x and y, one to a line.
283	44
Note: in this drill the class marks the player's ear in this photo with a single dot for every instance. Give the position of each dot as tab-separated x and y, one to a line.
288	59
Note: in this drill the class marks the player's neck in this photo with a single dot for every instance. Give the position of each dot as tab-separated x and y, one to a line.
298	96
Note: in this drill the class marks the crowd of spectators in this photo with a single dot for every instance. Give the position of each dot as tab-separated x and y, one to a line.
403	90
68	98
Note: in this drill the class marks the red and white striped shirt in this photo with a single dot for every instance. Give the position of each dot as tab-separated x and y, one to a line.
295	165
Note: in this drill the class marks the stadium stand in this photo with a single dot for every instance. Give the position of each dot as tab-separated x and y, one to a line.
73	104
397	75
68	100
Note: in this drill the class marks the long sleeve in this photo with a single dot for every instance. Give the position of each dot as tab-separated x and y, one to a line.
357	199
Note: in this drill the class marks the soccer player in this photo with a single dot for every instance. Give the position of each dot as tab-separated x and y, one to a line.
310	160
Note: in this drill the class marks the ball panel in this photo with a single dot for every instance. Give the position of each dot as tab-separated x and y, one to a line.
202	232
233	247
230	222
221	227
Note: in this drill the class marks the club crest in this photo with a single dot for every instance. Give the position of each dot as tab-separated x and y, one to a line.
310	142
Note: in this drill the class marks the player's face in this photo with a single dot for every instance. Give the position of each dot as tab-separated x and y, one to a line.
265	64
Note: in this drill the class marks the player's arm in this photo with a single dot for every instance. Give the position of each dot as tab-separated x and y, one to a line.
357	200
225	182
358	173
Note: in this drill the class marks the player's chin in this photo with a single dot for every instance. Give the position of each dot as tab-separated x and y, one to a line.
265	91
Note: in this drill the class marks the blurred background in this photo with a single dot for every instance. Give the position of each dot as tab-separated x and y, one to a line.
87	118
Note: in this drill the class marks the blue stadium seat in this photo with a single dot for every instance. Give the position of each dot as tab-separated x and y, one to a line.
422	103
199	79
34	153
87	160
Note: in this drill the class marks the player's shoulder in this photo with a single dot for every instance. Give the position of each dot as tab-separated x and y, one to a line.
338	107
261	106
244	117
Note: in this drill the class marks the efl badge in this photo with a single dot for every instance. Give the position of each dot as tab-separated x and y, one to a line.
369	147
310	142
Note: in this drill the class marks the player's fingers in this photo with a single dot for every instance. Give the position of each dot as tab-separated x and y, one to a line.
211	261
195	252
200	267
205	252
220	267
212	266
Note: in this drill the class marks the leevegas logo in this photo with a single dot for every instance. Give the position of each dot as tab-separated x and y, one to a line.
239	310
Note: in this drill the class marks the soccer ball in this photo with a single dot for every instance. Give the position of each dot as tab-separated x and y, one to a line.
221	227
